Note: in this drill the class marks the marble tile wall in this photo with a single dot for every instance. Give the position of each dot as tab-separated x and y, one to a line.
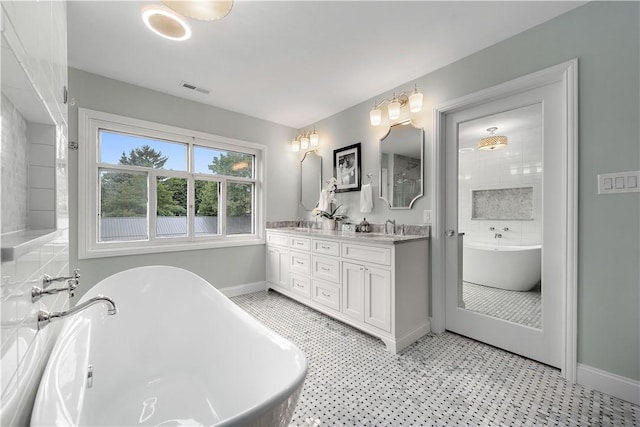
41	139
14	155
502	204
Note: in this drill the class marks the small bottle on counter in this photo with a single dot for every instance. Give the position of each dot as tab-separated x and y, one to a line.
364	226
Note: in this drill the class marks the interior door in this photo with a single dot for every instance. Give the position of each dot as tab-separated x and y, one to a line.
499	202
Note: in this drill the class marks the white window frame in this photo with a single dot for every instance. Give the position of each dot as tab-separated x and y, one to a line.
90	122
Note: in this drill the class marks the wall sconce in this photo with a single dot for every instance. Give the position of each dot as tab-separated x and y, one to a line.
305	140
395	104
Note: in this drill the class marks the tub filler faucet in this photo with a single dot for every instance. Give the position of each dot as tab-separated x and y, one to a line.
45	317
497	236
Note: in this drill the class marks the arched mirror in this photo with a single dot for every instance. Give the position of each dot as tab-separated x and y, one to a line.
401	165
310	179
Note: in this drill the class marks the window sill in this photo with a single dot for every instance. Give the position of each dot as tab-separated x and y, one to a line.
143	248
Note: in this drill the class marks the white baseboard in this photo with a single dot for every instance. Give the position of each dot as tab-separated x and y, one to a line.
606	382
247	288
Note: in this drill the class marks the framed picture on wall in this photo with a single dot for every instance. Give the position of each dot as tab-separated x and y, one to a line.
346	168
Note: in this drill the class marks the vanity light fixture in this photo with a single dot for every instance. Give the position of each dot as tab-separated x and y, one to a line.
305	140
395	104
166	23
492	142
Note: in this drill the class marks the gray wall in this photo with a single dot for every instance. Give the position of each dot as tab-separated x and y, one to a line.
605	39
221	267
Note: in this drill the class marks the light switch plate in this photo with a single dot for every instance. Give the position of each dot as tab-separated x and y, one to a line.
619	182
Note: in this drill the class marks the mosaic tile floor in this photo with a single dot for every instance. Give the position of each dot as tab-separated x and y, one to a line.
441	380
524	308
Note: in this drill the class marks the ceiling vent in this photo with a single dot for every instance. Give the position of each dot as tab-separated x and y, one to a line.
190	86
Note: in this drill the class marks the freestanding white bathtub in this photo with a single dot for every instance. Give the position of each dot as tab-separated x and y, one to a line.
177	352
515	268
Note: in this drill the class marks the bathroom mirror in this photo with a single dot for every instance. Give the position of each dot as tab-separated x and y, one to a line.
310	179
401	165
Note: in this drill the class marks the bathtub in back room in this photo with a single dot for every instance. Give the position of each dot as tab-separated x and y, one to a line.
177	352
516	268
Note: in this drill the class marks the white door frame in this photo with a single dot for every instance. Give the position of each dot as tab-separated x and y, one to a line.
567	74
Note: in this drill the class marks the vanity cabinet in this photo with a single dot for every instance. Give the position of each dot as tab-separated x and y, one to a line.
278	261
376	285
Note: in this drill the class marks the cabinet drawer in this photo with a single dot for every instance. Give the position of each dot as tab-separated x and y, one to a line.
300	243
301	285
375	254
300	262
326	294
277	239
326	247
326	268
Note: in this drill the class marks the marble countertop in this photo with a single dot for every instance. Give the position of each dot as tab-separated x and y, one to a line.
377	238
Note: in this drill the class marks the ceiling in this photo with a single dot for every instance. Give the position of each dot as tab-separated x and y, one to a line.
295	62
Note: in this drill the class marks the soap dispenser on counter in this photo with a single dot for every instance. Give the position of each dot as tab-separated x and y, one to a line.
364	226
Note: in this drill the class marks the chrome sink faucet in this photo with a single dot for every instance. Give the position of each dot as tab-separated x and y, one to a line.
392	222
45	317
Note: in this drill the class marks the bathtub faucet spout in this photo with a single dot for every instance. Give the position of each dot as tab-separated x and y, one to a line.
45	317
497	236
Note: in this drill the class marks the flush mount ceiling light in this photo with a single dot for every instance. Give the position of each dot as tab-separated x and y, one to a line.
166	23
394	106
492	142
202	10
305	140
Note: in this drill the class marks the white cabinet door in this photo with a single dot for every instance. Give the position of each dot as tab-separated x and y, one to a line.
278	267
377	298
353	290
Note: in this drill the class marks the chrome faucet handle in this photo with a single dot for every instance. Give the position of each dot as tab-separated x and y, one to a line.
38	292
73	284
492	228
505	229
48	280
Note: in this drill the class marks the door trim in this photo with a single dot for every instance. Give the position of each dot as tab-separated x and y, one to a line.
567	74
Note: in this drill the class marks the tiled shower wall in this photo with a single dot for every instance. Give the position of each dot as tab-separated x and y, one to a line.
28	172
41	139
32	161
14	155
518	165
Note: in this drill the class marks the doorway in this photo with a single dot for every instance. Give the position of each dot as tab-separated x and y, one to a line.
505	229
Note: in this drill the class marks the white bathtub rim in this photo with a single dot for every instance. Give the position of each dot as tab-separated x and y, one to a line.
253	412
487	246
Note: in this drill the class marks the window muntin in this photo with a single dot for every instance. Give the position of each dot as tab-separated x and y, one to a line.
151	232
